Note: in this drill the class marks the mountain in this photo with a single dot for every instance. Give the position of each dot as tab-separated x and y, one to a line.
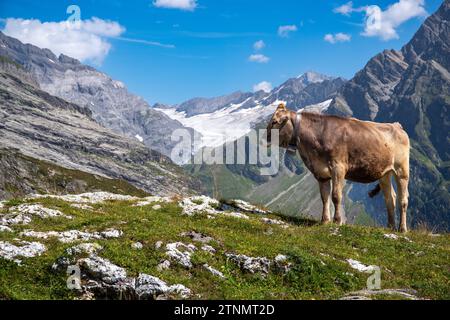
46	128
227	118
412	86
110	102
308	89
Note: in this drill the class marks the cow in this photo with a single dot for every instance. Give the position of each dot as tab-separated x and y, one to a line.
336	149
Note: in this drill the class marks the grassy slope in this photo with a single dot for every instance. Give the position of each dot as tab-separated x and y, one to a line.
320	270
296	195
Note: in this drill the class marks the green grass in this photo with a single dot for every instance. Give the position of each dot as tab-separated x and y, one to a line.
318	256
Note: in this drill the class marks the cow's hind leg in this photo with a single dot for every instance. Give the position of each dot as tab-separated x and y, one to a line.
389	198
338	179
325	191
402	179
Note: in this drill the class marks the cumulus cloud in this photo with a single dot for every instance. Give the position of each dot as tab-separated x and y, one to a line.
259	45
259	58
284	31
187	5
345	9
338	37
263	86
85	41
383	24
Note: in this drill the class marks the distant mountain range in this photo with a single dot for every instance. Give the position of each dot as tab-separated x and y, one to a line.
227	118
109	101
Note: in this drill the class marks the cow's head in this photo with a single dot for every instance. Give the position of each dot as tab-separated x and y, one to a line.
282	121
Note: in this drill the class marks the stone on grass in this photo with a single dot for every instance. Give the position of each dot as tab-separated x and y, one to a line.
250	264
197	237
137	246
73	235
181	253
26	249
213	271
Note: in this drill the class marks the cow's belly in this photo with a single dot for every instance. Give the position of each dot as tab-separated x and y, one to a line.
369	169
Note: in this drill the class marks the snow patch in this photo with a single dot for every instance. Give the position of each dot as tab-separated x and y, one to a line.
139	138
225	125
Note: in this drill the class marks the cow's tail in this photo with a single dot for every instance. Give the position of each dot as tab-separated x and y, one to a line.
375	191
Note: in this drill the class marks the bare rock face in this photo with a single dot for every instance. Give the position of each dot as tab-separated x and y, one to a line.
47	128
108	100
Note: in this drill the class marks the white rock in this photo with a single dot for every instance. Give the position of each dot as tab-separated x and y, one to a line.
213	271
103	269
209	249
354	264
5	229
247	207
250	264
199	204
15	219
87	248
149	287
235	215
158	245
137	246
197	237
151	200
391	236
27	250
90	198
181	253
280	223
165	265
2	204
156	207
282	263
73	235
38	211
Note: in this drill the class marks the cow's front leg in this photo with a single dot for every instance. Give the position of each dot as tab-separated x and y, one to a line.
325	191
338	178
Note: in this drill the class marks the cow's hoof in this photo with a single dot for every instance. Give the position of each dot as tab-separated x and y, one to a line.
403	229
325	222
338	222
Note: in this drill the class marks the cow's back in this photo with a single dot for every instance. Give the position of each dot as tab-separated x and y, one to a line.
366	149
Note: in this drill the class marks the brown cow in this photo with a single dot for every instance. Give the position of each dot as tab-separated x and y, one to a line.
336	149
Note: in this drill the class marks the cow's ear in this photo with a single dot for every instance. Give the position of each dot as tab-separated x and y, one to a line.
281	106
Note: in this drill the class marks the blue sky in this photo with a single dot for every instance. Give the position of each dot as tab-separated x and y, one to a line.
206	50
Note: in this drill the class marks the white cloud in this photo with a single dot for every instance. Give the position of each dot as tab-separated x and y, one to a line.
86	41
345	9
187	5
259	58
263	86
284	31
383	24
338	37
259	45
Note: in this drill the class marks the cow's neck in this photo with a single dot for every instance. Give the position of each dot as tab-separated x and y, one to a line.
295	140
